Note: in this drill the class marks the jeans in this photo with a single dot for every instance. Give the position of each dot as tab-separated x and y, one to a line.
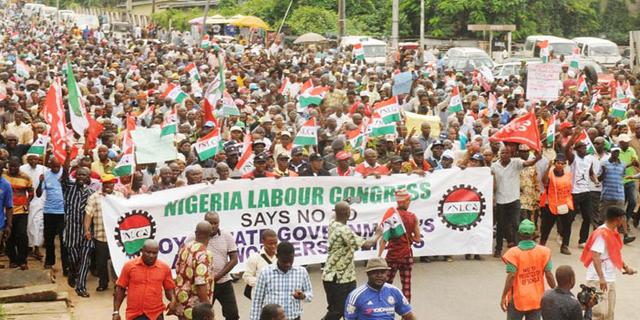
223	292
582	203
336	296
53	226
513	314
598	216
17	246
102	258
508	216
630	198
549	219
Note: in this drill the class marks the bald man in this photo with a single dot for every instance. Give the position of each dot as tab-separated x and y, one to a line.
143	280
194	272
560	303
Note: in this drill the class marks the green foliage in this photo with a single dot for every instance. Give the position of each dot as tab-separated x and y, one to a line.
313	19
179	19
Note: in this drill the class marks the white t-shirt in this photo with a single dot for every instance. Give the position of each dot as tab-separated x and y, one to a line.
608	269
597	168
507	180
580	173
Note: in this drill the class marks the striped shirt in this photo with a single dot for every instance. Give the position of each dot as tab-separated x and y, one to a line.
94	212
275	286
612	186
75	201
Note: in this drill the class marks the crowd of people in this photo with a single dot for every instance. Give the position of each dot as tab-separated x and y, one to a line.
588	168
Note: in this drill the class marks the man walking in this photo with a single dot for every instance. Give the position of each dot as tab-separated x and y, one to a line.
142	280
257	261
398	244
6	204
194	274
613	190
17	245
602	255
377	299
559	303
283	284
524	285
51	188
582	172
339	274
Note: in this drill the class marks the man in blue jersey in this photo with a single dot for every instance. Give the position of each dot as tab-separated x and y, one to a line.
377	299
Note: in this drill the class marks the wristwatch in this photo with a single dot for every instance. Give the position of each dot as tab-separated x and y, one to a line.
115	312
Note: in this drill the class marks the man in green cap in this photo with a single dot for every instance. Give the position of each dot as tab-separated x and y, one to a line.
524	286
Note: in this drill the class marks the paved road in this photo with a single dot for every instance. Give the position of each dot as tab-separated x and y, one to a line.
458	290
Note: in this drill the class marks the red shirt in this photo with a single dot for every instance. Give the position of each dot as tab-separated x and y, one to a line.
400	248
145	286
252	174
364	169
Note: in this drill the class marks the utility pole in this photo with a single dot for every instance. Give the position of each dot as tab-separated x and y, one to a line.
204	21
153	6
341	19
422	24
129	11
394	24
58	12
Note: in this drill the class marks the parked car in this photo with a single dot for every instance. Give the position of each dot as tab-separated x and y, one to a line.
559	46
603	51
467	59
375	51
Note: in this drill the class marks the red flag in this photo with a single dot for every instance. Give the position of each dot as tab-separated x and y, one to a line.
131	122
94	130
523	130
54	115
242	164
207	108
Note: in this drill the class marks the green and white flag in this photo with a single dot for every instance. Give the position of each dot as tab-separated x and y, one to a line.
308	134
174	92
22	69
619	108
170	123
205	42
192	71
358	51
392	226
312	96
389	110
455	103
551	130
126	165
79	121
209	145
39	147
379	128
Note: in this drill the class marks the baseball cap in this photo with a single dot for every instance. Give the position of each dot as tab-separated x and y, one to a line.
615	147
565	125
343	155
285	133
260	158
315	157
259	141
624	138
209	124
448	154
376	264
437	143
526	227
283	155
107	178
477	157
236	128
396	159
296	151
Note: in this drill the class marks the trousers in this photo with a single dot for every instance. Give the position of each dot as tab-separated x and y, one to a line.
549	219
508	216
404	267
514	314
583	204
17	246
223	292
102	260
53	226
336	296
604	310
79	261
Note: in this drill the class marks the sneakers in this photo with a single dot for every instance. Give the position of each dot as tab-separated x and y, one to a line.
581	245
565	250
628	239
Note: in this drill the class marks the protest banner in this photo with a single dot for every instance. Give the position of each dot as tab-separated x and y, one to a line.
543	81
151	147
402	83
415	120
454	212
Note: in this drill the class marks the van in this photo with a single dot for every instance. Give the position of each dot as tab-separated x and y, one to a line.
120	29
84	20
375	51
603	51
559	46
48	12
66	15
467	59
30	9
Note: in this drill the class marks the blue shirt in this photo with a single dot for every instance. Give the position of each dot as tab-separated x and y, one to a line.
275	286
366	303
612	186
54	201
6	199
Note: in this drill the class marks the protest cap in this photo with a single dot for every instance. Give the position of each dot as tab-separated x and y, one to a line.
447	154
477	157
209	124
437	143
230	150
343	155
396	159
108	178
376	264
524	147
260	158
615	147
402	195
566	125
236	128
297	151
283	155
527	227
259	141
315	157
285	133
624	138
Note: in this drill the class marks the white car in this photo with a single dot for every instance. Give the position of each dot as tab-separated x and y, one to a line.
467	59
603	51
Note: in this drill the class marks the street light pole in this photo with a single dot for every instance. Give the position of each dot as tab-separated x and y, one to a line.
422	24
394	24
341	19
57	12
204	21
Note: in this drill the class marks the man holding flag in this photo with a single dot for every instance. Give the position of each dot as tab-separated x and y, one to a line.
399	230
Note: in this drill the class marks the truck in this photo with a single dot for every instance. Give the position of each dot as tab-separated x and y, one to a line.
375	51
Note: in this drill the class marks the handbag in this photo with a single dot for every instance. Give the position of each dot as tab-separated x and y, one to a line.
247	288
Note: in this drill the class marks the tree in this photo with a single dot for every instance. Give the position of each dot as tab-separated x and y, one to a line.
313	19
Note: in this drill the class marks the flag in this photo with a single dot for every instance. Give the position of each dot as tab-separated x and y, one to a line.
492	103
594	100
551	130
245	162
619	108
22	69
308	134
379	128
146	115
392	226
584	138
205	42
582	85
209	115
358	51
523	130
126	164
209	145
455	104
574	59
544	51
306	86
174	92
192	71
356	138
313	96
170	123
79	121
389	110
55	116
284	87
220	75
229	107
93	132
39	146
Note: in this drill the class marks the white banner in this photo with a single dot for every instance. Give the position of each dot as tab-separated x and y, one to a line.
543	81
454	209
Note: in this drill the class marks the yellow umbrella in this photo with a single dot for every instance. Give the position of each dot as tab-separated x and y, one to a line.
251	22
